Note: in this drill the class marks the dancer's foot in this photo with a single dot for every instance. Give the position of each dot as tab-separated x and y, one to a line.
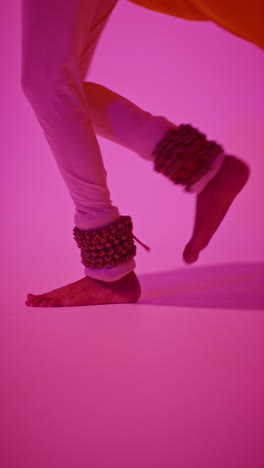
213	203
88	291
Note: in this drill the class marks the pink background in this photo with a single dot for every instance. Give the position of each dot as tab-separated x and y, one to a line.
176	380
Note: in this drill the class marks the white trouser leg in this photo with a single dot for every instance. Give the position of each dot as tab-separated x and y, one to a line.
117	119
58	41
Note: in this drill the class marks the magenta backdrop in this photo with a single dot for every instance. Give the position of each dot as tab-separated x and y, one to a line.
191	73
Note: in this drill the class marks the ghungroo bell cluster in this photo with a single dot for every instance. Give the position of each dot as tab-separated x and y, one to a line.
108	246
184	155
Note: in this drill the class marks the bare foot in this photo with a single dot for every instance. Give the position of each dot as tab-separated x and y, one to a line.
88	291
213	203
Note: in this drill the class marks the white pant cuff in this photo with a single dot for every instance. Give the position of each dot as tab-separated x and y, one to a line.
109	274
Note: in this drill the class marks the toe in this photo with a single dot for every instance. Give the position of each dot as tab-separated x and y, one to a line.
32	300
43	302
36	301
190	254
49	303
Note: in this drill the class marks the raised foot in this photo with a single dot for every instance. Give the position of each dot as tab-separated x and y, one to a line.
213	203
88	291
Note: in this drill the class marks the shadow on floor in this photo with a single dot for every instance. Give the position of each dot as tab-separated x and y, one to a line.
226	286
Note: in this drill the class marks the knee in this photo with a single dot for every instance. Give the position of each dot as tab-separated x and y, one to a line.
25	84
39	81
90	84
92	88
34	85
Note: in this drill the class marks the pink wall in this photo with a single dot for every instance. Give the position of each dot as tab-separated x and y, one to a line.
189	72
69	376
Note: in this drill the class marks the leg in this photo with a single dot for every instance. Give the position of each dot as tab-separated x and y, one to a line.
53	38
121	121
55	35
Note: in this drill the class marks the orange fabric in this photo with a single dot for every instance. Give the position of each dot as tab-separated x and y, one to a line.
243	18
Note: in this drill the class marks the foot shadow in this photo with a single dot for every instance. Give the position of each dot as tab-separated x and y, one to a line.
226	286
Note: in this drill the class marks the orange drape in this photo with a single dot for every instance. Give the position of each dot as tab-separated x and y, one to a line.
244	18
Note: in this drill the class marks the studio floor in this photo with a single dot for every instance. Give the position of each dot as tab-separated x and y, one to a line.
175	380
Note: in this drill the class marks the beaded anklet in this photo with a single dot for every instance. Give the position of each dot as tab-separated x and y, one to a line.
109	246
184	155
